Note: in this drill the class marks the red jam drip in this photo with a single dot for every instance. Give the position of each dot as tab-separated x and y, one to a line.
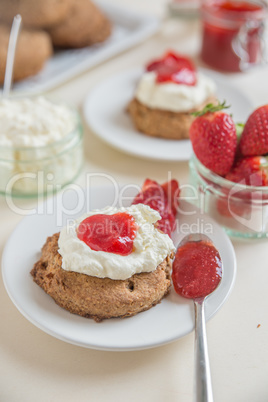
173	68
222	22
110	233
197	269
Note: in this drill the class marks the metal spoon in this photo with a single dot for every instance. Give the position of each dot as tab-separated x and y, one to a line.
11	54
203	386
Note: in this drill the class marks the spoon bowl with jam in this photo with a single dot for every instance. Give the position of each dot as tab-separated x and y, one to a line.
196	273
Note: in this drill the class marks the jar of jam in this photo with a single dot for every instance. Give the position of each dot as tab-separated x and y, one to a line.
233	33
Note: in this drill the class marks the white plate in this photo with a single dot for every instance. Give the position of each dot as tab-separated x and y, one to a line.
166	322
129	29
105	112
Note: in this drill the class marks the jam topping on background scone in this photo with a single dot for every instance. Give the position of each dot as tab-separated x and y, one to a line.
168	92
174	68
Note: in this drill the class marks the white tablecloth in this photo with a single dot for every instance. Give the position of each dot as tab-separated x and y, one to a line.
35	366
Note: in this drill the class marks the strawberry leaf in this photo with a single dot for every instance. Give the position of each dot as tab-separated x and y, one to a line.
239	129
211	108
264	162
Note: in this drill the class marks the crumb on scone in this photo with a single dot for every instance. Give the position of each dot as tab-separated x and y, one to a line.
99	298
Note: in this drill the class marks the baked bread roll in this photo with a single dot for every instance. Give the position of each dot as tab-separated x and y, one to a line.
34	48
84	25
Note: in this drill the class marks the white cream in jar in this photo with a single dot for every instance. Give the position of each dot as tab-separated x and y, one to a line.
40	143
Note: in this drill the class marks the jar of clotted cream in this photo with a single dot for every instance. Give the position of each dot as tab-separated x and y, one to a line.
41	146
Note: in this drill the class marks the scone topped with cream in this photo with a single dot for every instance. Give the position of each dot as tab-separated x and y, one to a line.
110	263
169	91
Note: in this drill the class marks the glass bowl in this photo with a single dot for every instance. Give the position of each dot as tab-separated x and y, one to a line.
242	210
42	170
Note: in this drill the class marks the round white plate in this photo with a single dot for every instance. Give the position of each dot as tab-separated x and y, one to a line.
105	112
166	322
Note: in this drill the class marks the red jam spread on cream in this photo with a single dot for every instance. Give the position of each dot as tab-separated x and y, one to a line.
110	233
173	68
197	269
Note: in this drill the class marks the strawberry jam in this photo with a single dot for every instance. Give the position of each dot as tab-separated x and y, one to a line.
232	33
110	233
173	68
197	269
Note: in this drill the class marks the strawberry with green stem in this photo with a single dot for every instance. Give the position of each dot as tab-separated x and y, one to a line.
213	138
251	171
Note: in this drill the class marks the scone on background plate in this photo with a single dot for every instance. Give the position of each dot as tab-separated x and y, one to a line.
84	25
169	91
35	13
33	49
110	263
62	23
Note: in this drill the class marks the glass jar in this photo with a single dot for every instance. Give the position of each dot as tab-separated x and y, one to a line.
242	210
42	170
184	8
233	33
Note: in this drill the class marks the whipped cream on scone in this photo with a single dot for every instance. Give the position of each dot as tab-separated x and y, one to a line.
171	96
151	247
168	93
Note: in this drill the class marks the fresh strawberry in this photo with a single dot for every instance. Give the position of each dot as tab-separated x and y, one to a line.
163	199
251	170
228	205
172	192
254	139
214	140
173	68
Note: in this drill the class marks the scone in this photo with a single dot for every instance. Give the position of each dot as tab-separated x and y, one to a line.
35	13
33	50
166	96
110	263
84	25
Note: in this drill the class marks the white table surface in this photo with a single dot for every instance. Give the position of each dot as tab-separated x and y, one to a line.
35	366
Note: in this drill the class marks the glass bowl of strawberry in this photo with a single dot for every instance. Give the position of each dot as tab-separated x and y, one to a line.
229	170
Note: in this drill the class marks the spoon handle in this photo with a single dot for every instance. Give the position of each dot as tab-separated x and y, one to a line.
11	54
203	390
